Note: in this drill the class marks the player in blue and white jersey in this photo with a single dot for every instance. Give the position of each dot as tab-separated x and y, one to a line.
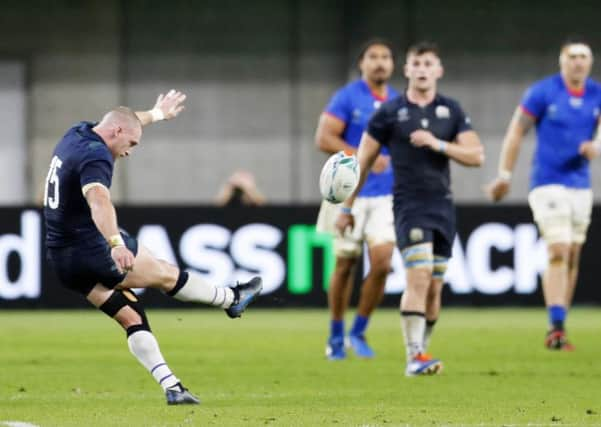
564	108
423	130
92	256
340	128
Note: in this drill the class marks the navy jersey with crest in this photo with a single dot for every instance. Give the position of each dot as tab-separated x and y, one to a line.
422	190
80	158
420	173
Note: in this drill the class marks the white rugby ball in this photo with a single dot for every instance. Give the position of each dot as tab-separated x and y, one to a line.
339	177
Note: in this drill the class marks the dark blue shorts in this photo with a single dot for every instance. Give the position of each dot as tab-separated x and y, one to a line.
81	267
426	223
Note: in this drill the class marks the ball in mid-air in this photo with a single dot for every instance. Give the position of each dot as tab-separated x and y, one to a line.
339	177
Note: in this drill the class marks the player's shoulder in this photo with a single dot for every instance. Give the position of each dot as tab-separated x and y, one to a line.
350	89
593	85
447	101
547	83
87	143
393	104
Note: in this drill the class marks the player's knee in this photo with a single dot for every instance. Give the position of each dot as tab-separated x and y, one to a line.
167	274
574	259
344	266
558	253
127	310
380	266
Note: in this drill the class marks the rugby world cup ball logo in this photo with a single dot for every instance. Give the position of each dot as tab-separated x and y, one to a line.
339	177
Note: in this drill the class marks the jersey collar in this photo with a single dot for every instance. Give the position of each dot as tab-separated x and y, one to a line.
375	95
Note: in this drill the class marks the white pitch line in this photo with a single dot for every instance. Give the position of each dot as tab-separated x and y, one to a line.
17	424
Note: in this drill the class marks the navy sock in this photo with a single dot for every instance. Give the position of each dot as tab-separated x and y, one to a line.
557	316
360	325
337	328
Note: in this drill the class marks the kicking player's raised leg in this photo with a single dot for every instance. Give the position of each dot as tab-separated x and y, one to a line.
372	292
126	309
418	261
189	286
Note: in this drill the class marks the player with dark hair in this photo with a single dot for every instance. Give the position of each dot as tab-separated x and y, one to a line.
93	257
564	108
423	130
340	128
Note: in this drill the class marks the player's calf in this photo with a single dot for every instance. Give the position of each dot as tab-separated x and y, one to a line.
125	308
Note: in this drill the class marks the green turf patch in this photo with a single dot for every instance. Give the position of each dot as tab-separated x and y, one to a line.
268	368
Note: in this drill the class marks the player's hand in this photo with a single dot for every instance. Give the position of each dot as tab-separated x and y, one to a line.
497	189
381	164
124	258
170	104
589	150
343	222
423	138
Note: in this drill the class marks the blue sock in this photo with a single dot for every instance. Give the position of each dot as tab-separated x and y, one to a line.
557	315
360	325
337	328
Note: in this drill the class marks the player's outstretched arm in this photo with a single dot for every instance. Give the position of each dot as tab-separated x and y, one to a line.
519	126
328	135
167	107
369	149
328	138
105	218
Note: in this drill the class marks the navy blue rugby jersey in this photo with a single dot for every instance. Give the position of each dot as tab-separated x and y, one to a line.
419	173
81	157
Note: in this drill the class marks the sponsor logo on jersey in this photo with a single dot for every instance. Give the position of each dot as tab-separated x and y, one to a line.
403	114
576	102
442	112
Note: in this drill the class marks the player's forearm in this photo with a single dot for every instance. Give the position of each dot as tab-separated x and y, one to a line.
332	144
509	154
467	156
105	217
366	155
150	116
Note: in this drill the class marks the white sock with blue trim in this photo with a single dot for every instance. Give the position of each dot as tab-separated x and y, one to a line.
145	348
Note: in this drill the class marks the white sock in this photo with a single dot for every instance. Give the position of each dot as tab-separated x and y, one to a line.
145	347
413	325
196	289
428	333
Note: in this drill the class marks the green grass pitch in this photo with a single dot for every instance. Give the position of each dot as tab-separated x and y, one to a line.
73	368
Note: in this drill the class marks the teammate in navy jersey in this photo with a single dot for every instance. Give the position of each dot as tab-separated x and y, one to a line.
422	130
93	257
340	128
565	110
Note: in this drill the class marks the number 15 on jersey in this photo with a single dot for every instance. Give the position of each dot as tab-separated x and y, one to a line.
52	179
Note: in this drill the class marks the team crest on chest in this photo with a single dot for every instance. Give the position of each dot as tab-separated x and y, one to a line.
377	104
442	112
403	114
425	123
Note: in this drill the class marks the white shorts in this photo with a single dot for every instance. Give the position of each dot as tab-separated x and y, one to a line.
374	224
562	214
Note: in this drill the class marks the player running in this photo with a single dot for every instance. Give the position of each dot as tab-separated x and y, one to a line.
340	128
565	110
423	130
93	257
